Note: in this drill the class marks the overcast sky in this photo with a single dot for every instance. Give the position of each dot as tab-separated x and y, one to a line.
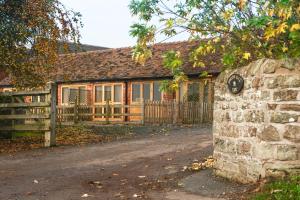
106	22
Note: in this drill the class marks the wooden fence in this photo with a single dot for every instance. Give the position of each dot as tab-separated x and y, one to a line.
19	113
172	112
75	113
151	112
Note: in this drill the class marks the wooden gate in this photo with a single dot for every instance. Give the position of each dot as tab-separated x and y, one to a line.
30	110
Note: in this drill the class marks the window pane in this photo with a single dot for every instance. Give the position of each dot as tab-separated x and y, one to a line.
82	95
206	93
73	95
118	93
42	98
193	92
117	111
136	92
98	94
156	91
146	91
65	95
35	99
107	93
181	92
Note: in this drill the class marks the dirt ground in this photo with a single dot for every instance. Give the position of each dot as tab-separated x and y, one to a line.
146	167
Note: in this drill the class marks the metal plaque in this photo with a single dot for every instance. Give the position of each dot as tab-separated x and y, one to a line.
235	83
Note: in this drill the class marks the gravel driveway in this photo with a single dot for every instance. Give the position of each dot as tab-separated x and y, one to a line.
148	167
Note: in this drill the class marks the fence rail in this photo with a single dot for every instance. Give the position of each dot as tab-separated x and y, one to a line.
106	113
19	113
150	112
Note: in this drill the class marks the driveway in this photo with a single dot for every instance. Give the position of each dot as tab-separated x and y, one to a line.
148	167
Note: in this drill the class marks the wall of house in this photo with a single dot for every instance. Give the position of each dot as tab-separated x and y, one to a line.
257	132
127	98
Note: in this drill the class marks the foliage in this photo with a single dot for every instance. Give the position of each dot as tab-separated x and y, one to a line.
240	30
31	33
281	190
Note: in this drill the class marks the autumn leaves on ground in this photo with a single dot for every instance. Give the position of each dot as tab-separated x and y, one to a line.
65	136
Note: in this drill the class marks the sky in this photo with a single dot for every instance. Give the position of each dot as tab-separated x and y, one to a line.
106	22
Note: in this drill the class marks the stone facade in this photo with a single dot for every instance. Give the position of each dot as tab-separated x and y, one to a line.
257	132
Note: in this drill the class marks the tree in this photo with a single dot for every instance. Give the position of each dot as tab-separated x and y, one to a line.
31	33
240	30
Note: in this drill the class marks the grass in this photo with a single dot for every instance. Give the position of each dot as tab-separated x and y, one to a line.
16	135
287	189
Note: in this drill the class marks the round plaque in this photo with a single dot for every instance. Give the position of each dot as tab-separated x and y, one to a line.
235	83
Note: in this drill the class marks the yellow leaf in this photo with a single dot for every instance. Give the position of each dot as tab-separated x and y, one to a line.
285	49
281	28
270	32
295	27
246	55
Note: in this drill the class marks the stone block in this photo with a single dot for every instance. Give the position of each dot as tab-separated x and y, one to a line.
290	107
282	118
265	95
288	81
285	95
287	152
272	106
256	83
264	151
290	64
229	131
244	147
292	133
269	133
271	83
255	116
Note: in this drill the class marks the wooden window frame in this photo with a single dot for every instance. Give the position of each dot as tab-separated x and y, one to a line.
70	87
142	90
112	98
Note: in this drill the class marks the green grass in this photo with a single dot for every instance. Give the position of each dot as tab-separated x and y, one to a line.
25	134
288	189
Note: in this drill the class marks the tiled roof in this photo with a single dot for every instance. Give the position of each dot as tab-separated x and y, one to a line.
118	64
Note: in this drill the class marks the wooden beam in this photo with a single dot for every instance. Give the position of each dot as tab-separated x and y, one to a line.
26	93
23	105
38	116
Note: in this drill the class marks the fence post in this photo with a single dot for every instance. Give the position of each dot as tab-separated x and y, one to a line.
143	111
76	111
50	136
107	112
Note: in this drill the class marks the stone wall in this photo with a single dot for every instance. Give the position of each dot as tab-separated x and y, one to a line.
257	132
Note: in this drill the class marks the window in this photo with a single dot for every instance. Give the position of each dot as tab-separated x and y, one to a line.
107	93
136	92
98	94
146	91
118	93
193	91
72	94
37	99
156	91
65	95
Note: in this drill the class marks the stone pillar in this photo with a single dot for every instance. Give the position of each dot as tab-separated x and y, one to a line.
257	132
